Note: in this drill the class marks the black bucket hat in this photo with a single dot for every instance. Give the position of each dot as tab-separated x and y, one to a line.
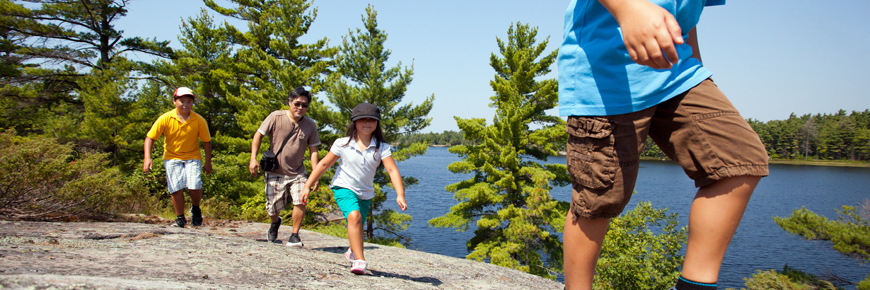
365	110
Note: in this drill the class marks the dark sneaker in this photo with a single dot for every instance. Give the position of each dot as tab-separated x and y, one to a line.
179	223
197	216
272	235
294	241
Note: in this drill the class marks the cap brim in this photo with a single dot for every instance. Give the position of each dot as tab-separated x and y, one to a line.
364	117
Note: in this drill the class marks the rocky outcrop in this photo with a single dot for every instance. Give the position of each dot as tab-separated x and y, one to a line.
223	255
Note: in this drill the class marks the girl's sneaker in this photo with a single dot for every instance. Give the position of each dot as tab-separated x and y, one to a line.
349	255
359	267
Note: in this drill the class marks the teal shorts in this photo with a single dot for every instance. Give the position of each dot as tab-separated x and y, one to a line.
348	202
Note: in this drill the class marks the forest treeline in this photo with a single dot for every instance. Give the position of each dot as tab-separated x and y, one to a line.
837	136
446	138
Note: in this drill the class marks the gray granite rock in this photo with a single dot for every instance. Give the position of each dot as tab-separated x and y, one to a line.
223	255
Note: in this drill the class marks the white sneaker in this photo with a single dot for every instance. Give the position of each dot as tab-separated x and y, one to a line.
349	255
359	267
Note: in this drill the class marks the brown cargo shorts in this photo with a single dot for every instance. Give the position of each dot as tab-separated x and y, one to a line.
700	130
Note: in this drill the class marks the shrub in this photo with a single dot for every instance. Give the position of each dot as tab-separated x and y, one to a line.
634	257
771	280
43	180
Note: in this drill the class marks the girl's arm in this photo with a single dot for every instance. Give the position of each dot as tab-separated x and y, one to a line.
396	178
316	173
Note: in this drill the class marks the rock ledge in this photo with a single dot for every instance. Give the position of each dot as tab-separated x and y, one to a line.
232	255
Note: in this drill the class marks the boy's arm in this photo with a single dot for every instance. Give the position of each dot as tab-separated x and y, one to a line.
207	165
649	31
396	179
146	164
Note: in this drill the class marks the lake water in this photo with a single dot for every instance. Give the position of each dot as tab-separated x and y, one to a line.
758	244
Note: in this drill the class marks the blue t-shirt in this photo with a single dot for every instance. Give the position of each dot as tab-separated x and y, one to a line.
596	74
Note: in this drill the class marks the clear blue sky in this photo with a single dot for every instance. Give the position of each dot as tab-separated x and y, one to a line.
771	57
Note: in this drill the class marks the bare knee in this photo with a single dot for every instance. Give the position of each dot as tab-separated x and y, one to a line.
354	218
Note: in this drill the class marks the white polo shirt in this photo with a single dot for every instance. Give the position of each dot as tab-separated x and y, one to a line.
356	169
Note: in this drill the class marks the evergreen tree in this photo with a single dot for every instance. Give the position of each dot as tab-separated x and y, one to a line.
508	196
76	73
268	62
849	234
364	78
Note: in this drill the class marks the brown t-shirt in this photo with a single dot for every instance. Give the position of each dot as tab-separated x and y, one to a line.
302	134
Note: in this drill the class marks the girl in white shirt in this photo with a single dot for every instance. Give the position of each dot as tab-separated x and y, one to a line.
360	153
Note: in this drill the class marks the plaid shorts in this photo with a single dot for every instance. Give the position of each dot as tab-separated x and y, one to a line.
181	174
280	188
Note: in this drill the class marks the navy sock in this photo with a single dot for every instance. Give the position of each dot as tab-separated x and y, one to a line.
686	284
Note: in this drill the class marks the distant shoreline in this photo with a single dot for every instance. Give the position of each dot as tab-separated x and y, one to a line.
831	163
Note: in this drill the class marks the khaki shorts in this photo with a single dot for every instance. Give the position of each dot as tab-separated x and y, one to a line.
282	188
700	130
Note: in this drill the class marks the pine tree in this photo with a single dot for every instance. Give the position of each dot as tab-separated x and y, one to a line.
270	61
364	78
77	72
508	196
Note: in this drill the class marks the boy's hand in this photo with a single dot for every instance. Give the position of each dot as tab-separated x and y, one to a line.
650	33
401	201
254	167
207	167
146	166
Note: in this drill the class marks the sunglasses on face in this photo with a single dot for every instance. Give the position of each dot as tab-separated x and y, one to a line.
299	104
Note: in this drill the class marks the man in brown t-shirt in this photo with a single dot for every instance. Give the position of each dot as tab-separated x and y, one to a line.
286	182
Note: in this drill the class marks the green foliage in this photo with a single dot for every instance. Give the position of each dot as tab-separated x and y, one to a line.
787	279
362	77
864	284
43	180
771	280
633	256
333	229
850	233
446	138
822	136
508	196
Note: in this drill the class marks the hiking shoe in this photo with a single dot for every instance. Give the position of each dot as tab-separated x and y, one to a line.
359	267
197	216
272	235
349	255
294	241
179	223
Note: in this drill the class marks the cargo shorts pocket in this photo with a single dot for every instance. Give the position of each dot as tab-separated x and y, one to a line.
591	158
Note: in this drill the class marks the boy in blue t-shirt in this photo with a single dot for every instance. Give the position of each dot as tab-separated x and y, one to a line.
629	69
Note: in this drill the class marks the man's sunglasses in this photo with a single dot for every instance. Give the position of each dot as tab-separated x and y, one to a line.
298	104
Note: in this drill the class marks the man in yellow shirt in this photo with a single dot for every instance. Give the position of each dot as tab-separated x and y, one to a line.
182	127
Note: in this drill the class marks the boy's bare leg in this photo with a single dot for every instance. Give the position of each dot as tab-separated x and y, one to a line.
354	234
178	202
298	215
713	219
583	238
195	196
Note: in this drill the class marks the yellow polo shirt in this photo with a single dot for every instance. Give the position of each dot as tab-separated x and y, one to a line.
181	137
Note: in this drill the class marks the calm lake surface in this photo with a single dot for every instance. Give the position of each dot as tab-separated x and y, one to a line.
758	244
